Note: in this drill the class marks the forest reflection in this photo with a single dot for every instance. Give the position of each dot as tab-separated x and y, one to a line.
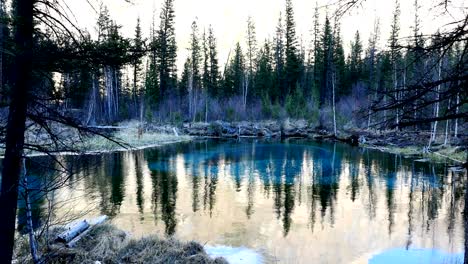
300	185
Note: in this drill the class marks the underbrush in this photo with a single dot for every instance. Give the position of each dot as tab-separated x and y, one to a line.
107	244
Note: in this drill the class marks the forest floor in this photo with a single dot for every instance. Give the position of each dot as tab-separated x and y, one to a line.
415	143
131	135
124	137
107	244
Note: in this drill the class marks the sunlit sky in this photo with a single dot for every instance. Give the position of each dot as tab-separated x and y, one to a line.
228	18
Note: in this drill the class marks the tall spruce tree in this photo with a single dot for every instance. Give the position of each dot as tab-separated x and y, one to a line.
234	79
196	57
213	86
326	63
251	59
195	80
206	61
185	78
251	42
264	73
279	83
293	64
166	46
355	60
339	61
371	67
152	94
395	56
138	46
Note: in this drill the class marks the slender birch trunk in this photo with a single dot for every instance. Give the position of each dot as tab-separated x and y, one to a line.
29	221
334	107
436	111
455	133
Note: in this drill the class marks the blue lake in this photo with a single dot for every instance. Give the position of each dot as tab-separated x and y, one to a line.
292	202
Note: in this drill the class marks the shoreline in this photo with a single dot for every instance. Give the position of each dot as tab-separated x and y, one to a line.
156	135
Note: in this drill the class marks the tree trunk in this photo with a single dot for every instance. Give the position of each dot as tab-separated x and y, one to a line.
436	112
206	107
334	107
27	200
465	217
245	92
395	87
91	119
73	231
447	126
2	27
455	133
135	92
11	171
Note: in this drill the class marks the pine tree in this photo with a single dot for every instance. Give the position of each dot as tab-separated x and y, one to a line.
195	80
103	23
152	93
213	87
279	82
166	47
317	58
251	45
264	73
185	78
250	58
234	79
292	67
371	70
325	63
339	62
395	55
138	44
206	59
415	70
196	57
355	60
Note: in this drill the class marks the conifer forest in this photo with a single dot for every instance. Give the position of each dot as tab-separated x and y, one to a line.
300	111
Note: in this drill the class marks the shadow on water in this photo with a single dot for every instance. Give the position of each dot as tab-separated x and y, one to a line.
239	193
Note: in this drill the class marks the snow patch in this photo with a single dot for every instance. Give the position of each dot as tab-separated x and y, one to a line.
235	255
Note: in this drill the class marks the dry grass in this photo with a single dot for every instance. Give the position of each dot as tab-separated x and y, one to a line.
129	136
107	244
442	154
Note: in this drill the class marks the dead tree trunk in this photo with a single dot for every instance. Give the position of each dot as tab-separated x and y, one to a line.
455	133
14	141
465	217
245	91
334	104
2	27
436	110
447	126
27	200
191	96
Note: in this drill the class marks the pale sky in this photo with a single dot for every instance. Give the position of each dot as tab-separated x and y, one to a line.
228	18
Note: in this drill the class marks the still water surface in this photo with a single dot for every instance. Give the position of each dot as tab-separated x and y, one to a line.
294	202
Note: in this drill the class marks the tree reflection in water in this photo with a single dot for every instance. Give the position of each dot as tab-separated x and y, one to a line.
271	182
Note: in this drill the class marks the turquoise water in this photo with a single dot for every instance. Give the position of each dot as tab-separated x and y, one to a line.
293	202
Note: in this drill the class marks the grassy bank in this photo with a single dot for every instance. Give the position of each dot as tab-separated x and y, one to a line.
107	244
452	153
131	140
69	141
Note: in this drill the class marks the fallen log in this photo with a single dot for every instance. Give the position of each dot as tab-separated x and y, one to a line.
73	231
94	222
